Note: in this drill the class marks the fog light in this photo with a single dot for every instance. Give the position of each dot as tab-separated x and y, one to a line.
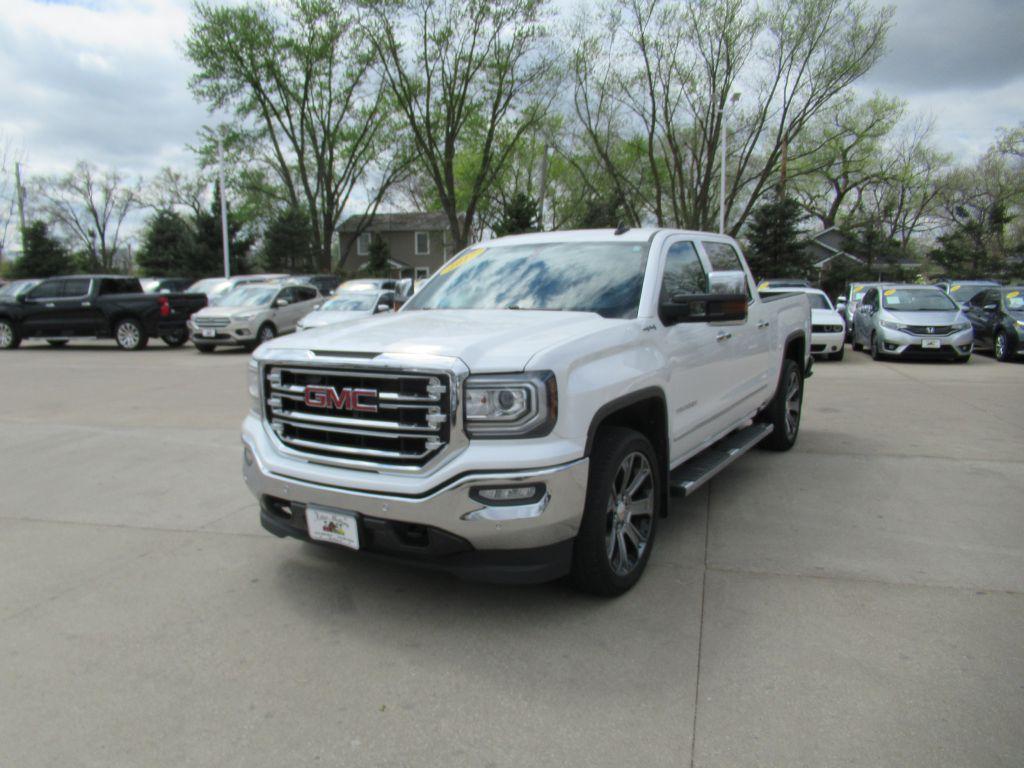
507	494
247	455
890	347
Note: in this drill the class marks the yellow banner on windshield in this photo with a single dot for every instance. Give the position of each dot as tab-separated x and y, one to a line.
463	259
890	292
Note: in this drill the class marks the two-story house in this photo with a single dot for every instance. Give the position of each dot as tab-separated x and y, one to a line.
418	243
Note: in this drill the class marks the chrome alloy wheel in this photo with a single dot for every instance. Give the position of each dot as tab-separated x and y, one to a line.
999	350
6	335
128	335
266	334
630	518
794	401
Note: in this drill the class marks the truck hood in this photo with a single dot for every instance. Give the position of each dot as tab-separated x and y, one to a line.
486	340
321	317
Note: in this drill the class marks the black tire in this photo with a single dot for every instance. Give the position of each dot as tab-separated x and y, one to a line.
838	355
175	340
56	342
1001	349
785	432
9	336
204	348
266	332
129	334
597	567
857	347
874	351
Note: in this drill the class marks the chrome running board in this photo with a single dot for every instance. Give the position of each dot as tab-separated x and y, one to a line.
692	474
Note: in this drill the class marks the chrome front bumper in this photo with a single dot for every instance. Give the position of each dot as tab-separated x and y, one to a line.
449	507
236	333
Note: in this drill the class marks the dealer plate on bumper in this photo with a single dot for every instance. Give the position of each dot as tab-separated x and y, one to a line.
931	343
208	333
333	526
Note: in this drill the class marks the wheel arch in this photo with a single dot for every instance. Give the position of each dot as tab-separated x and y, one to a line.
644	411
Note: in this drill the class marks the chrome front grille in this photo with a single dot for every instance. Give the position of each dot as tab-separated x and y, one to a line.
929	330
211	322
359	417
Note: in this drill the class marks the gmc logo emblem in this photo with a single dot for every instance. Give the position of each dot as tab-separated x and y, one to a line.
344	399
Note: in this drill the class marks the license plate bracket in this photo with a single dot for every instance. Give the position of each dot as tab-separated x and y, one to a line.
931	343
333	525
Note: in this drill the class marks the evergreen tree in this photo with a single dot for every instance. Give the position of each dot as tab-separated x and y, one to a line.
875	247
775	247
972	248
43	255
287	243
209	254
520	213
379	262
168	246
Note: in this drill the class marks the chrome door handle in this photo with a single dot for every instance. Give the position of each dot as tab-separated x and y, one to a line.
86	303
723	336
50	304
763	324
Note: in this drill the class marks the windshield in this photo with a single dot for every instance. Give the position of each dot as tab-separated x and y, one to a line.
819	301
917	300
1015	300
605	278
351	302
18	287
204	285
247	296
964	293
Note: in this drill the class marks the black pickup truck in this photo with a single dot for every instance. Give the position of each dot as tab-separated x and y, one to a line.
96	306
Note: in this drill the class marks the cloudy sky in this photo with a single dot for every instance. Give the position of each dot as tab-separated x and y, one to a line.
106	79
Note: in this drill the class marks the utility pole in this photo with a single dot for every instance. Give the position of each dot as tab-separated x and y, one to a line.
21	203
721	199
223	205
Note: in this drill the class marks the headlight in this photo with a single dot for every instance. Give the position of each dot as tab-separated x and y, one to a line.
254	386
512	405
892	325
963	325
246	318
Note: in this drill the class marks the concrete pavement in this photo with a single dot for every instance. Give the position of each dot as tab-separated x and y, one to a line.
857	601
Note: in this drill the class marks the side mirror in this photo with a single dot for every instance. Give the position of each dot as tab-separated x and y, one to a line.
281	302
704	308
990	307
728	283
383	308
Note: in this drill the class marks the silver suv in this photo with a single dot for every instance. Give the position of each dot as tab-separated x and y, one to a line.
912	321
252	314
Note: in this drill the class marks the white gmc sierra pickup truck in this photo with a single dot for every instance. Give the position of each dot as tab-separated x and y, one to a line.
531	410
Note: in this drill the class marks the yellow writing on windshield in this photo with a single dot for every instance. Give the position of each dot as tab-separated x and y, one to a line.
890	292
463	259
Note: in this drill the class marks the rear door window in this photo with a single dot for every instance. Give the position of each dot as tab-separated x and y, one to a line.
75	288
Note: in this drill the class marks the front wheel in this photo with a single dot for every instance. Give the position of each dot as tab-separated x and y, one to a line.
9	338
176	339
876	350
616	534
783	412
1001	347
266	333
130	334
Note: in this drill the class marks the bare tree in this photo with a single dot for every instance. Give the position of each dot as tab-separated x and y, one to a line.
468	77
89	207
172	189
10	156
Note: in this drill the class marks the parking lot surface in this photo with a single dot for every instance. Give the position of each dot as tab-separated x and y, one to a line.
858	601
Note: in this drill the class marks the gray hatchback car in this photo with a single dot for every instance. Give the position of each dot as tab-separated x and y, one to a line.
912	321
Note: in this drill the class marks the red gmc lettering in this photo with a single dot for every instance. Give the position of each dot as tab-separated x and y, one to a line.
345	399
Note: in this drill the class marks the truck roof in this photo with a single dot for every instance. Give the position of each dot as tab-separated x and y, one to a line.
638	235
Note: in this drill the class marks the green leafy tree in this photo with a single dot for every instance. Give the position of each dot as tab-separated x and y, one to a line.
378	264
287	243
965	250
520	214
43	255
873	244
775	246
168	246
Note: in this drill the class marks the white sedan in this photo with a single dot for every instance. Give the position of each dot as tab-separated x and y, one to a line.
828	328
347	306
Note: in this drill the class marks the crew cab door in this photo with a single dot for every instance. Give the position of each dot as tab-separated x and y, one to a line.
695	356
752	361
39	308
59	307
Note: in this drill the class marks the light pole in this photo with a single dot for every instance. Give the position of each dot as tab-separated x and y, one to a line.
223	204
721	198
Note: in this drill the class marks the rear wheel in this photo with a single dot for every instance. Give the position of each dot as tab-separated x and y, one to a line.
129	334
783	412
56	342
1001	347
619	520
9	338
